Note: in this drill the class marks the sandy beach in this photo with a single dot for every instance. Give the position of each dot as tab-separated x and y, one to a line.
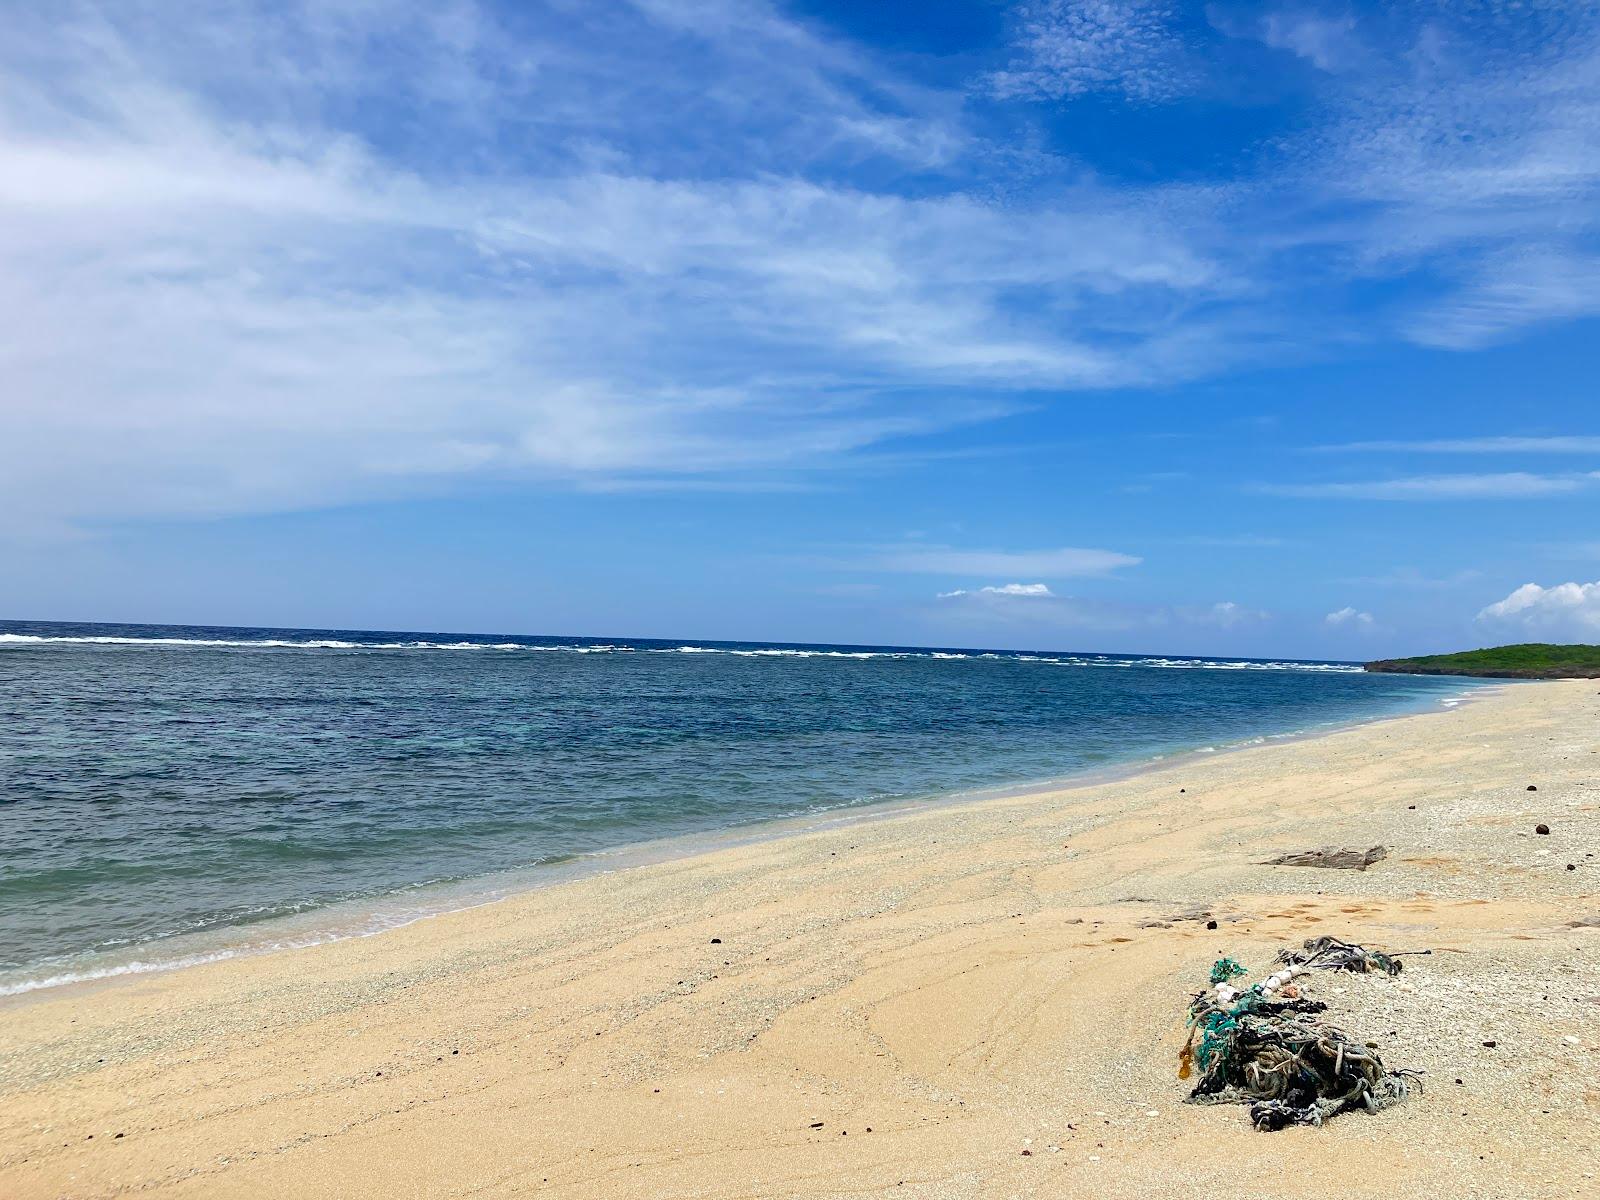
981	999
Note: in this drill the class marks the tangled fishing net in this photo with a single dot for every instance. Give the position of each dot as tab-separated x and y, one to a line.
1265	1045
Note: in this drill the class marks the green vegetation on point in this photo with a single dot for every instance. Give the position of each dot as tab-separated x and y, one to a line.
1529	660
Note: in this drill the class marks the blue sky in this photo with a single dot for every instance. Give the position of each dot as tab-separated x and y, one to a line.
1077	324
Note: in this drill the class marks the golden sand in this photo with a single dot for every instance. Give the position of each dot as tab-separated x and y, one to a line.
981	999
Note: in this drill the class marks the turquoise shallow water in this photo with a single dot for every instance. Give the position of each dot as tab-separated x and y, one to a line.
162	782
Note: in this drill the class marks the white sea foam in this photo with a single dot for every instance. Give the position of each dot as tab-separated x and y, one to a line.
372	921
141	966
1072	660
137	967
17	639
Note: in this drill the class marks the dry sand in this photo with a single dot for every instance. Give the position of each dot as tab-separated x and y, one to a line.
972	1000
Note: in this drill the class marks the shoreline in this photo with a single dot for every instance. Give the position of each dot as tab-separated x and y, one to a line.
969	1000
373	916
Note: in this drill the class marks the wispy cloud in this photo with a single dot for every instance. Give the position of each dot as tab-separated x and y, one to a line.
1066	563
1585	551
1477	147
850	591
1412	578
1510	485
1451	149
1563	444
989	610
1067	48
263	256
1037	609
230	295
1239	541
1509	291
1225	614
1328	43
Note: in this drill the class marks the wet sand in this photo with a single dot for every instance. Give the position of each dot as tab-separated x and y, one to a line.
978	999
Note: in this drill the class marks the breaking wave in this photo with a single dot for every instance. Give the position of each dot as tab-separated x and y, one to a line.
15	640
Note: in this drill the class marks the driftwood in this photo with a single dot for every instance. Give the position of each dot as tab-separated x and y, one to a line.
1333	858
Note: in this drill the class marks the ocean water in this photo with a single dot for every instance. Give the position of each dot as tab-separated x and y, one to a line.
169	794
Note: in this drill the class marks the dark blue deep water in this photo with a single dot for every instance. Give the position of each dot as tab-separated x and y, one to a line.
158	782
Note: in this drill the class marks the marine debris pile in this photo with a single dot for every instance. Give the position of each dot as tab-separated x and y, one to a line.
1265	1045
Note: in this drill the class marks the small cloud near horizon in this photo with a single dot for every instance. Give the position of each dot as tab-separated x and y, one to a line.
1034	590
1064	563
1349	617
1507	485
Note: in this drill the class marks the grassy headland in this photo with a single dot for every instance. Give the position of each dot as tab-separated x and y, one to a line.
1529	660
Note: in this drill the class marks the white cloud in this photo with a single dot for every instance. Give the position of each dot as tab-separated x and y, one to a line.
1510	485
1509	291
1328	43
1567	609
1035	590
1349	618
1020	589
1474	149
1065	563
227	297
1070	48
250	261
1225	614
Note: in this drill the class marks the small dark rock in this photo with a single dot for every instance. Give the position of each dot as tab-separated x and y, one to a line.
1541	828
1572	866
1411	806
816	1124
1490	1044
1531	788
716	941
1211	924
1027	1154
